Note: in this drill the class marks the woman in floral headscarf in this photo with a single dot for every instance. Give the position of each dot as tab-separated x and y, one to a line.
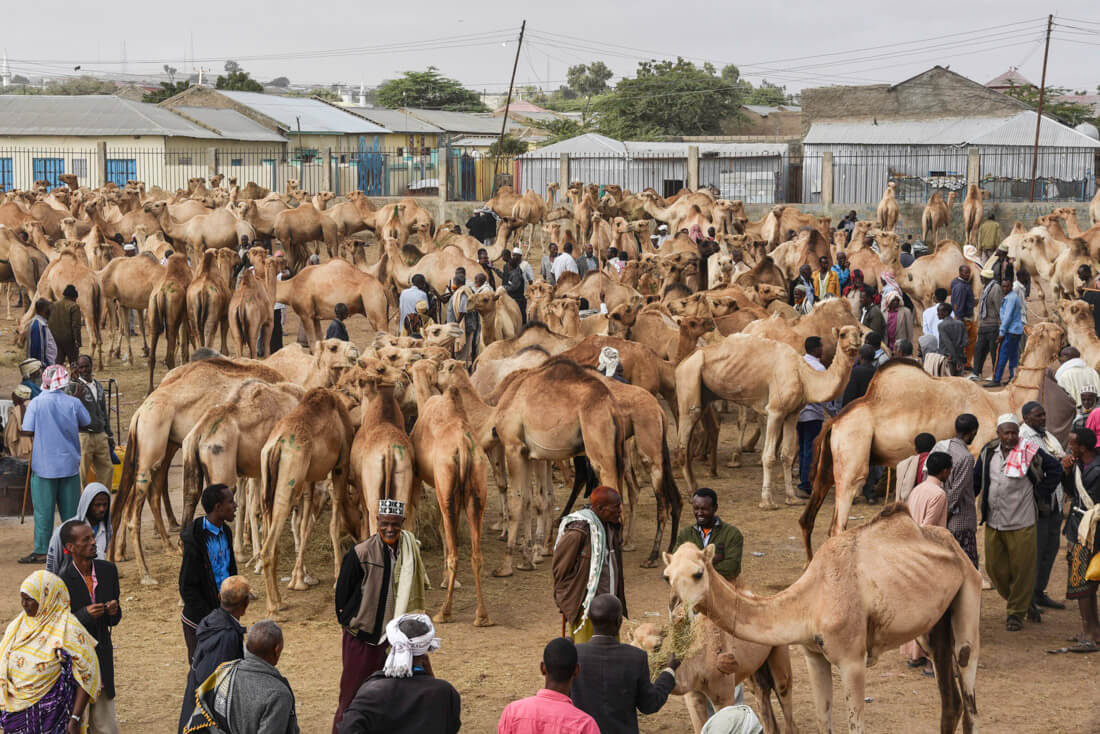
48	668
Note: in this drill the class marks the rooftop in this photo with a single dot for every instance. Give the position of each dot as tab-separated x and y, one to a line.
469	123
765	110
398	121
1012	77
92	115
231	124
594	144
314	115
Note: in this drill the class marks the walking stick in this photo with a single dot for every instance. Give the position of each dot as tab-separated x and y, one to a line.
26	487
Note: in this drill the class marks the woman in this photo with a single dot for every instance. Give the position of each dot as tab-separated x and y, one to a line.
48	668
899	320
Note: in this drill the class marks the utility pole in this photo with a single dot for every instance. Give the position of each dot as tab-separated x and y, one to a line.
1039	112
507	104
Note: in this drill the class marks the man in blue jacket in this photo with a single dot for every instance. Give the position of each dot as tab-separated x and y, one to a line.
1012	328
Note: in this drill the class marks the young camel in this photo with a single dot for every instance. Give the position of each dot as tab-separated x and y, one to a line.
308	445
208	298
127	285
449	459
867	591
251	310
382	463
167	313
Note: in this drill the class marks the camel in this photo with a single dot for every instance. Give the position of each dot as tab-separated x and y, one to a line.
489	374
765	272
936	215
867	591
597	287
437	267
448	458
314	292
973	209
322	367
527	211
876	427
694	206
1054	264
700	677
167	313
533	333
261	213
306	446
128	284
821	321
768	377
1068	215
20	263
297	228
500	316
642	367
398	221
251	307
148	217
208	298
67	270
210	231
921	279
1076	317
807	248
668	339
887	212
382	463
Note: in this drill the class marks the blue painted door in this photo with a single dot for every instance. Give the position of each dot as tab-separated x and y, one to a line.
5	175
121	170
371	166
48	169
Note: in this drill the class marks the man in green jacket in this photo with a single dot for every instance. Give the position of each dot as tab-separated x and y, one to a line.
710	530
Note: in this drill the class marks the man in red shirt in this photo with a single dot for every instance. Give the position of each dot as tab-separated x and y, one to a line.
550	711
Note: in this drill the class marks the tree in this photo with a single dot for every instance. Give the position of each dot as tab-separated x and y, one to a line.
171	72
167	89
20	79
769	94
430	90
80	85
563	129
1069	113
512	146
279	81
232	67
588	79
668	98
237	79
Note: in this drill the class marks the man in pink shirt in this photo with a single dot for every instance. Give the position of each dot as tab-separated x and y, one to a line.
550	711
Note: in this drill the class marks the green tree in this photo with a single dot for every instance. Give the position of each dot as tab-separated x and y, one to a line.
80	85
321	92
564	129
430	90
668	98
279	81
20	79
512	146
769	94
232	67
237	80
589	79
167	89
1069	113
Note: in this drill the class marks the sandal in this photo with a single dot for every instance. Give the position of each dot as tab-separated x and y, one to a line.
1013	624
33	558
1084	647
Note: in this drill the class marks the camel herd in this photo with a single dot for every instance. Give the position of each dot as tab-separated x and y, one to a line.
345	425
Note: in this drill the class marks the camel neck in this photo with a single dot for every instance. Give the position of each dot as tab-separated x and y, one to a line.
775	620
820	386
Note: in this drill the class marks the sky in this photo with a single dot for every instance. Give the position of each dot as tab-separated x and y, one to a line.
798	44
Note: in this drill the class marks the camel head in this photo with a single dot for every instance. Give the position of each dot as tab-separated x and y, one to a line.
1075	313
155	208
621	319
332	356
486	301
848	339
451	373
722	305
68	227
687	577
442	335
1045	339
216	180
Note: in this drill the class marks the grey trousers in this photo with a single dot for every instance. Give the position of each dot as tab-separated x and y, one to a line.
1048	539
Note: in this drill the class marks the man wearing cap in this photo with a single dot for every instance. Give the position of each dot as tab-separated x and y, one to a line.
1016	480
662	235
587	261
1074	374
18	445
416	292
96	439
1048	524
54	418
381	578
31	371
989	322
41	345
515	281
65	322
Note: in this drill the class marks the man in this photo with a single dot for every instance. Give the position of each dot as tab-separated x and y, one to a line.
94	509
337	329
93	599
1074	374
587	261
546	267
595	529
65	322
208	559
482	225
405	697
493	276
962	520
279	317
416	292
951	337
802	304
870	315
31	372
1012	476
515	281
848	224
40	342
18	445
989	322
810	419
962	303
550	711
862	373
1090	395
911	471
737	257
805	279
905	257
989	235
96	439
381	578
613	682
1082	483
843	274
826	282
905	350
564	263
1011	329
662	235
1090	294
1048	523
930	319
1000	264
54	420
710	530
458	312
218	639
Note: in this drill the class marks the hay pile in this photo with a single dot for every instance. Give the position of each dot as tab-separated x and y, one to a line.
680	639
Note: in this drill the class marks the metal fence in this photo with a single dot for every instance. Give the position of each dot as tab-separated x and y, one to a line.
473	174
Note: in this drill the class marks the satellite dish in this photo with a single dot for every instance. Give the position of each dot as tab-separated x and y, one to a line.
1088	130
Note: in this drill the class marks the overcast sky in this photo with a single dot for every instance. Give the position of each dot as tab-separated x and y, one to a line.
799	44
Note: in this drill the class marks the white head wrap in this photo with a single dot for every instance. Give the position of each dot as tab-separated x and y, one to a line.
609	361
403	650
733	720
1007	418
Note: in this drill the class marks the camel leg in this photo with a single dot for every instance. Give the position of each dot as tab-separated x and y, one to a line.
240	522
769	458
158	491
779	670
299	580
270	553
519	506
853	675
849	478
739	447
938	641
696	705
496	457
255	519
544	505
821	678
474	511
965	632
632	491
445	487
788	452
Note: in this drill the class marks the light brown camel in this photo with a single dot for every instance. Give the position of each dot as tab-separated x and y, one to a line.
887	212
806	248
533	334
768	377
68	269
590	288
310	444
921	279
298	227
668	339
167	313
867	591
500	315
219	228
208	298
936	215
973	209
321	367
147	217
642	367
251	307
382	458
128	283
822	321
314	292
490	373
877	429
437	267
1068	215
1077	318
20	263
764	272
450	459
1060	271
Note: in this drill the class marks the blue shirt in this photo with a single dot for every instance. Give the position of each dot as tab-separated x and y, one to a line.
35	389
217	547
1012	316
55	419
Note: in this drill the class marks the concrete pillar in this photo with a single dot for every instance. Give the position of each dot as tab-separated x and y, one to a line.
827	179
211	161
100	164
693	167
443	174
329	185
563	177
973	167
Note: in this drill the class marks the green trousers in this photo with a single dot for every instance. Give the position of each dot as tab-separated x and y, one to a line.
64	493
1010	563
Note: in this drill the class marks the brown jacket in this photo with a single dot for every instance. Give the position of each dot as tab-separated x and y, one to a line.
364	598
572	556
18	446
65	320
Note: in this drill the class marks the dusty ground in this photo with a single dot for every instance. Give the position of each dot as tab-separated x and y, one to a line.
1020	687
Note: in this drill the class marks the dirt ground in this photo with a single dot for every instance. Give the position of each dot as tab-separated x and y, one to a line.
1020	687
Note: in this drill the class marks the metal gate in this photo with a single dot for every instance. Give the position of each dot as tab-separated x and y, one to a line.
48	169
6	183
121	170
371	168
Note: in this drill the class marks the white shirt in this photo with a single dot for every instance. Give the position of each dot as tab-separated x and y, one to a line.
279	306
528	271
930	322
1075	375
564	263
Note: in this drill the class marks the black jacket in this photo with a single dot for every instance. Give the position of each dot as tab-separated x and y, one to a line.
97	409
418	705
197	587
1045	472
514	281
1090	480
219	638
482	226
106	589
857	383
613	685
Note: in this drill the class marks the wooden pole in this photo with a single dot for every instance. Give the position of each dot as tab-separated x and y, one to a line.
507	104
1039	112
26	486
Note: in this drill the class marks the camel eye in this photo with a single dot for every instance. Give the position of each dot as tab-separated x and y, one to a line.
666	579
698	575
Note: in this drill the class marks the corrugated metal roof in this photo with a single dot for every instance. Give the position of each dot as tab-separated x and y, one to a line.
1012	77
470	123
315	116
1018	129
396	120
594	144
88	115
231	124
475	141
765	110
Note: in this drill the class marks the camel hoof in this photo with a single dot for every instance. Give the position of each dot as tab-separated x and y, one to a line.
312	580
443	584
768	506
648	563
794	501
174	528
734	463
525	566
482	620
148	580
503	572
298	586
442	618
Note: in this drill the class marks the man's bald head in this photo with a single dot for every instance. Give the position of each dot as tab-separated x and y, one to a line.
606	614
234	595
607	503
1069	353
265	640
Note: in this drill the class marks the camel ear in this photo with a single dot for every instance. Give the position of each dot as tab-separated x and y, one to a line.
665	557
708	553
836	334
